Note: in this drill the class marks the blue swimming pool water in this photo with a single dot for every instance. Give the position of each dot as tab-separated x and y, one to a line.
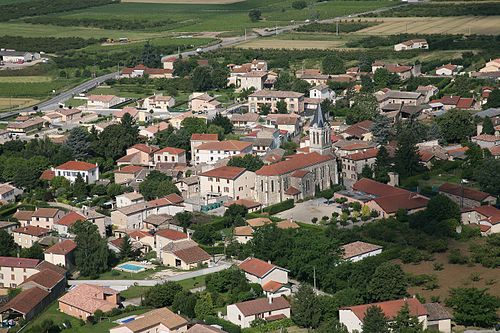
128	320
131	267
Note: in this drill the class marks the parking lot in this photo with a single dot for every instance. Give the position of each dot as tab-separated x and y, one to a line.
305	211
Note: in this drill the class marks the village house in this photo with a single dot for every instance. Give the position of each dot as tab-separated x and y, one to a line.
352	316
46	217
158	103
250	205
295	178
189	186
128	199
72	169
63	225
151	131
353	164
199	139
454	102
258	222
103	101
255	66
141	71
385	199
14	271
294	101
359	131
84	300
357	251
25	237
27	126
127	173
491	66
347	147
170	155
438	317
427	91
176	121
486	217
322	92
138	154
236	183
243	234
18	57
253	80
63	115
202	328
185	255
448	70
244	313
404	72
137	115
486	141
313	76
466	197
61	254
285	122
262	272
412	44
7	193
157	320
203	102
211	152
245	120
132	217
401	97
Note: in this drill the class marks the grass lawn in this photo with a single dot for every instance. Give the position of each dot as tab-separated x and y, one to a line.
188	284
120	275
57	317
37	90
25	79
195	282
14	103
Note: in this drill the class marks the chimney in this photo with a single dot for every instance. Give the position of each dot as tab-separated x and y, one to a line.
270	299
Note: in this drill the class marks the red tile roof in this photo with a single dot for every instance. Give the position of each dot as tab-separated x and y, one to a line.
62	248
32	231
287	224
256	267
465	103
272	286
495	151
191	255
171	234
144	148
261	305
408	201
358	248
23	215
363	155
130	169
245	230
297	163
373	187
18	262
300	173
292	191
487	138
249	204
390	308
171	150
225	172
77	165
468	193
26	301
46	212
48	175
70	219
46	278
204	137
233	145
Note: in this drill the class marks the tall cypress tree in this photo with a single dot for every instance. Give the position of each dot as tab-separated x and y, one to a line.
91	256
375	321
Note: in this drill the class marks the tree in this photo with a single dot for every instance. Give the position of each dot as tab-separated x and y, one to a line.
488	127
184	218
33	252
388	282
194	125
126	248
204	306
301	86
332	64
91	255
223	122
456	125
281	107
367	172
264	109
381	129
384	79
78	142
487	175
331	326
375	321
493	99
405	323
150	56
8	247
115	139
299	4
407	160
254	15
249	162
306	312
219	77
184	302
162	295
473	307
364	107
202	78
367	85
157	185
382	165
79	188
440	207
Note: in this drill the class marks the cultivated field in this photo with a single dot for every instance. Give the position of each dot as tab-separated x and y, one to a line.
24	79
189	2
7	103
291	44
483	25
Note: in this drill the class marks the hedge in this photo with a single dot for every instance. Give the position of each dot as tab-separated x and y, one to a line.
226	325
279	207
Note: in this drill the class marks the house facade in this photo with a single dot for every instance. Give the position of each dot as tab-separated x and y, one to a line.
72	169
294	101
244	313
237	183
211	152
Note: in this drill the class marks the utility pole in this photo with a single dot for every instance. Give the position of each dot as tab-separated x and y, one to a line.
245	34
337	28
314	278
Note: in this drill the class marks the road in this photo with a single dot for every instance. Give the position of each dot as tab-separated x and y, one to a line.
55	101
150	283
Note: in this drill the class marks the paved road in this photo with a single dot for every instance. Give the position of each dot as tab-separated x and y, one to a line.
150	283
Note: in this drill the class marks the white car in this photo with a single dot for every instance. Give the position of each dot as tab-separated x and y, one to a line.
199	50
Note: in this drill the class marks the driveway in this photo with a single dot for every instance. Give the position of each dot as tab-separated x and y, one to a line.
305	211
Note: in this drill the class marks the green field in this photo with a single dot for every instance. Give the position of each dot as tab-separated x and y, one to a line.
25	79
190	18
39	90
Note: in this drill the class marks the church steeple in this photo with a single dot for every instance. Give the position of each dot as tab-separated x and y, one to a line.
320	140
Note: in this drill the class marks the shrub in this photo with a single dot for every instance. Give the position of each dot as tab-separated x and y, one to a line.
456	257
226	325
438	266
279	207
299	4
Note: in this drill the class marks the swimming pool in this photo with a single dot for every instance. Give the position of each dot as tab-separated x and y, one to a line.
131	268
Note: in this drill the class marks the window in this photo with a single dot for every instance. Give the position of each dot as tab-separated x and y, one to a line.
272	185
